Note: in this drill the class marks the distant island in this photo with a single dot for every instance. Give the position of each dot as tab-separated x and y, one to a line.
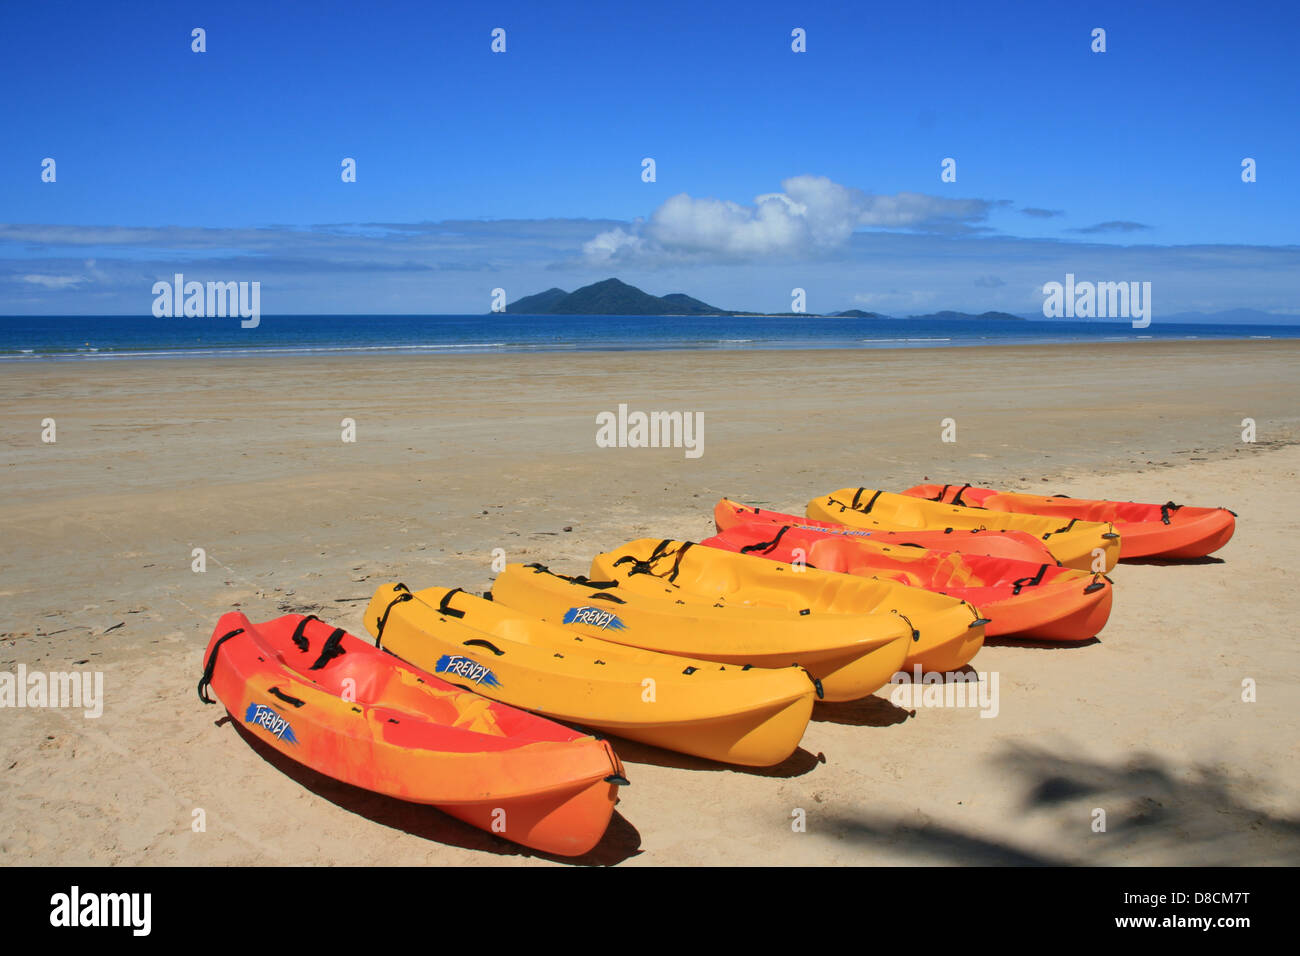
615	297
611	297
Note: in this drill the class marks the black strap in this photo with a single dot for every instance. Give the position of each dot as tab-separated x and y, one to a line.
677	565
332	648
444	606
405	595
870	504
857	496
1028	582
956	499
766	545
1061	530
206	681
1167	509
299	638
659	550
647	566
576	578
942	491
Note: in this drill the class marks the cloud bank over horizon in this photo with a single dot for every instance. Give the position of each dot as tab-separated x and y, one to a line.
847	247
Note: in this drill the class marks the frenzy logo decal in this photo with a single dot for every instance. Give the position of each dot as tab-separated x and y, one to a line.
847	532
594	617
464	667
269	720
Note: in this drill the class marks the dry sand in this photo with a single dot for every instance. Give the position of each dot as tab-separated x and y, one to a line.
456	456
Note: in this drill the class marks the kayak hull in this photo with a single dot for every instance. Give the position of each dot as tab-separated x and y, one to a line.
753	717
1021	599
1168	532
1017	545
1082	545
368	720
945	631
850	658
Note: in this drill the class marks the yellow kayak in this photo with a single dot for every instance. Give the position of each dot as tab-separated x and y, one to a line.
731	713
946	632
850	656
1082	545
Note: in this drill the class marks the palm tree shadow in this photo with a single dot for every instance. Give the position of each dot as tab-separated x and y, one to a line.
620	842
1154	814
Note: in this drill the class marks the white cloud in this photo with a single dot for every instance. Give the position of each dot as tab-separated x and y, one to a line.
52	282
812	214
610	244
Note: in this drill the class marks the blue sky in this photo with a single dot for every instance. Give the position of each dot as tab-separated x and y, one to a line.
523	170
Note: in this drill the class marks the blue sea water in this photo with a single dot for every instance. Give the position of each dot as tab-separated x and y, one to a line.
36	338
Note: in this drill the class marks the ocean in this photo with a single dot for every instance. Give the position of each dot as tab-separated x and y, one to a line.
83	338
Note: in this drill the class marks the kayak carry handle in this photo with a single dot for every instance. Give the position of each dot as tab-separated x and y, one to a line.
479	642
276	692
618	780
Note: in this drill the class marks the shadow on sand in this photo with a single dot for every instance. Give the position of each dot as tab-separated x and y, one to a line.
1168	563
1154	814
631	751
1040	645
871	711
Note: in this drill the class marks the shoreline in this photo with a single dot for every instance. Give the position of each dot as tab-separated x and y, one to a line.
95	354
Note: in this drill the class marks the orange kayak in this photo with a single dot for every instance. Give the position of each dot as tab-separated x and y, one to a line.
1019	545
1021	599
1168	531
348	710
